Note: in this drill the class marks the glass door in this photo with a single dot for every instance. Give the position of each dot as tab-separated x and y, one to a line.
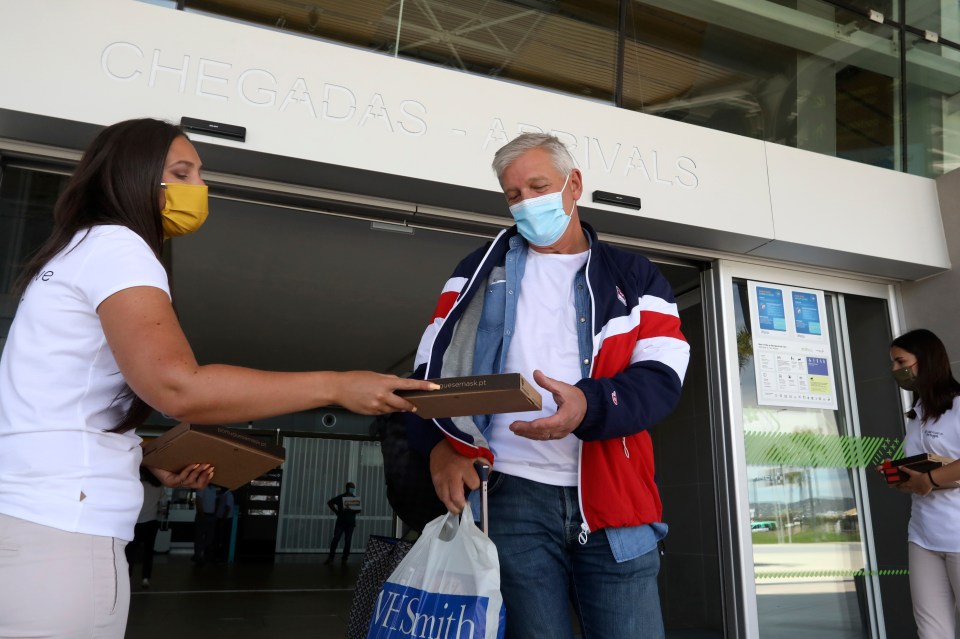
813	408
27	196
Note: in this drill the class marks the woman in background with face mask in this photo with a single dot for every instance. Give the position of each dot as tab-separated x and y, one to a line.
94	346
921	365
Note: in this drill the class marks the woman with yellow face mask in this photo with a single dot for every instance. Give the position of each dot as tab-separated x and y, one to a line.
94	346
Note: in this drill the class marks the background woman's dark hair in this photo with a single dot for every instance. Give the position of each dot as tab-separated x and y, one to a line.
935	387
116	182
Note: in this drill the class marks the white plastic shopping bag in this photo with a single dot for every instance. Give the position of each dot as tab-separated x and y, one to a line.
447	587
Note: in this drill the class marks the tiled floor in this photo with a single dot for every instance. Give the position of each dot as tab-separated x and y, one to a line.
299	597
296	596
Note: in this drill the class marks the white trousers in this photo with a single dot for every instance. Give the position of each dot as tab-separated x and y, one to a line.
934	588
61	585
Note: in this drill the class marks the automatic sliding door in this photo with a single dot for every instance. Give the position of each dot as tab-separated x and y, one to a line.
804	526
810	506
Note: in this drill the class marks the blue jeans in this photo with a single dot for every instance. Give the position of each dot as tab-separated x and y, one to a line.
544	568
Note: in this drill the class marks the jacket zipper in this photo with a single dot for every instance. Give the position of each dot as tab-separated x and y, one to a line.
584	527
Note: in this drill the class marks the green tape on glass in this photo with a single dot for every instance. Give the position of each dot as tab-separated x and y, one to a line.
820	574
819	451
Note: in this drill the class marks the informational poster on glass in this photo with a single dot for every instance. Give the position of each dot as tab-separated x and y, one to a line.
791	347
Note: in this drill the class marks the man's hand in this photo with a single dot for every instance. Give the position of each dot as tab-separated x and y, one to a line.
195	476
571	407
451	472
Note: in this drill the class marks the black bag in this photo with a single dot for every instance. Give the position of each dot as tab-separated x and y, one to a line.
409	486
382	557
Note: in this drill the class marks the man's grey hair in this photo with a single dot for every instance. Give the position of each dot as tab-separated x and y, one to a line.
508	154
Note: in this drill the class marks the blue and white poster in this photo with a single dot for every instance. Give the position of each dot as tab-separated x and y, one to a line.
793	360
806	313
770	309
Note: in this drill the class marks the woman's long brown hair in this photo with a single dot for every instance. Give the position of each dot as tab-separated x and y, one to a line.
936	387
116	182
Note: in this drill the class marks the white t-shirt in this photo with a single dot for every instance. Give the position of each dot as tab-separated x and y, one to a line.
545	338
59	385
935	518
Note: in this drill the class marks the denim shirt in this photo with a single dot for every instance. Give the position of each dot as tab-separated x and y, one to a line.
494	333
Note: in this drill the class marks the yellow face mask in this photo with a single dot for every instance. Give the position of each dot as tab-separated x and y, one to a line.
186	208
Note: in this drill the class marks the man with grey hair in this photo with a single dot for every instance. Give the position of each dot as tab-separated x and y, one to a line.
573	504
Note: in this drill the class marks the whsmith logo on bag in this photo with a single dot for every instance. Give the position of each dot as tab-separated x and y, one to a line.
402	611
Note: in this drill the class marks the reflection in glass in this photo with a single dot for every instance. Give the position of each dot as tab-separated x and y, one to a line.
815	77
933	107
888	8
564	44
805	527
943	18
26	217
370	24
807	74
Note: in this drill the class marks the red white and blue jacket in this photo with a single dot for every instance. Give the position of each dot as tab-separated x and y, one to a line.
632	377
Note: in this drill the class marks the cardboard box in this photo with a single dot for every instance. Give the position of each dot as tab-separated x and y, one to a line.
475	395
919	463
236	458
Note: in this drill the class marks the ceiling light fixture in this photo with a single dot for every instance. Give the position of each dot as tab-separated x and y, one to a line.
391	227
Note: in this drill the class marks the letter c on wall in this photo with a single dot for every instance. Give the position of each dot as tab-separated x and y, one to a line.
105	61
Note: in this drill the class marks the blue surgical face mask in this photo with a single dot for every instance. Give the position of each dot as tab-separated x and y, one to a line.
542	220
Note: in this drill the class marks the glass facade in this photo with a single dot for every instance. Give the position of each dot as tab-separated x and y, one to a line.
939	16
874	81
803	518
26	218
932	95
827	535
771	72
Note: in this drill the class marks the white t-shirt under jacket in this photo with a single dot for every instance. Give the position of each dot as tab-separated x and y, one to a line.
546	339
